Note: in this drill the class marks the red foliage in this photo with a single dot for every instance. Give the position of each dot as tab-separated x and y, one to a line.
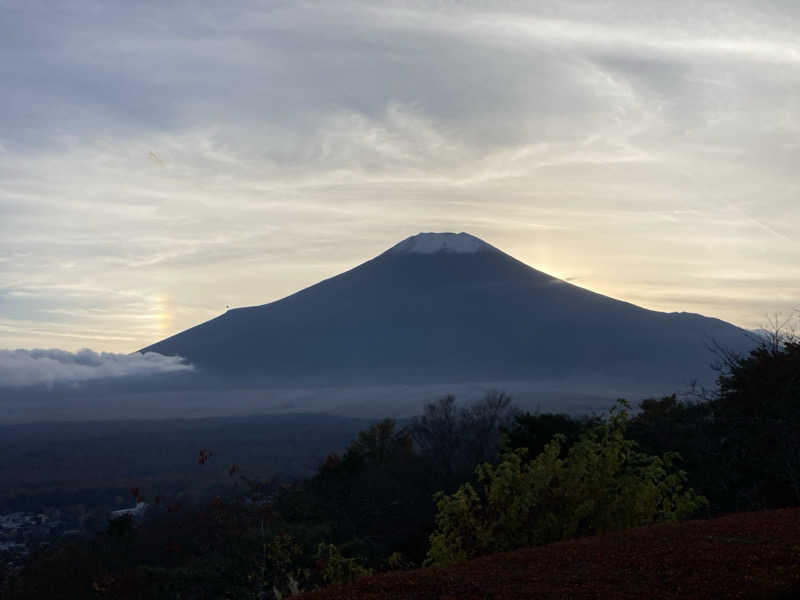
746	555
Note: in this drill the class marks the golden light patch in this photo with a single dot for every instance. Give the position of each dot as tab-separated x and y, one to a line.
165	311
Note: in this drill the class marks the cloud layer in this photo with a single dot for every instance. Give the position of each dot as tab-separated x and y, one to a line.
160	161
48	367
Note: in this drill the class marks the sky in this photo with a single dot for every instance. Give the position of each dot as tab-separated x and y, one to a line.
162	161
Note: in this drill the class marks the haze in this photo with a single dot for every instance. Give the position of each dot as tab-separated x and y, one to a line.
159	163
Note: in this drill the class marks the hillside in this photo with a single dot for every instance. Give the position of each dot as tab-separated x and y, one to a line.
747	555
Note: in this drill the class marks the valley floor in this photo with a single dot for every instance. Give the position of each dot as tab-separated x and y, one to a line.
746	555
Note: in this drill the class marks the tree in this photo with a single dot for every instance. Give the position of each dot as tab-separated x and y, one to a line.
534	430
603	484
740	443
758	406
438	435
454	440
380	443
372	500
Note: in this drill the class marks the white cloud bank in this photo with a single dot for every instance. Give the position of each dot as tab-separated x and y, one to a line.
47	367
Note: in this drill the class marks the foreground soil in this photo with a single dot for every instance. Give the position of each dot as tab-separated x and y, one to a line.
747	555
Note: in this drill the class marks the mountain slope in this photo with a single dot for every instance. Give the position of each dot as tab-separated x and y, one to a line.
451	306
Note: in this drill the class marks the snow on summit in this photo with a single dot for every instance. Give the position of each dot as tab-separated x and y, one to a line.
431	243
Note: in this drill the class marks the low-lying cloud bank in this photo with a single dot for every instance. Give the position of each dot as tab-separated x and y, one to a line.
48	367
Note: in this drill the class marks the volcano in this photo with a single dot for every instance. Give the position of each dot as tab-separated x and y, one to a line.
446	306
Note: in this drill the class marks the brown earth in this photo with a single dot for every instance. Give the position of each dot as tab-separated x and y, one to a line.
745	555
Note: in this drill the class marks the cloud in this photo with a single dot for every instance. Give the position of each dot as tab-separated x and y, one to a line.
163	160
48	367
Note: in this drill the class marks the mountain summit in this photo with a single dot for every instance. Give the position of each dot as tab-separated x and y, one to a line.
431	243
446	307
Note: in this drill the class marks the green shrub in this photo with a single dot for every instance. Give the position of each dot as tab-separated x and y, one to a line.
336	568
603	484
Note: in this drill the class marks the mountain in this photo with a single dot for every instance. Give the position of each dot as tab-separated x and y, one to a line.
448	306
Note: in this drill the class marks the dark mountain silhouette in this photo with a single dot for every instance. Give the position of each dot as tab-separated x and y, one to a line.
450	306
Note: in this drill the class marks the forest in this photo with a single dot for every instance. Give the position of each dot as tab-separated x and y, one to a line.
455	483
